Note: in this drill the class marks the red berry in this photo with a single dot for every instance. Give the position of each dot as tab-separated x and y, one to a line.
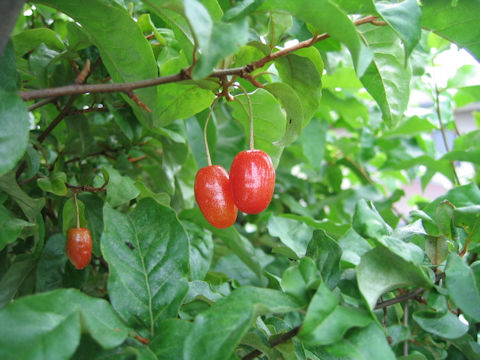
252	177
214	196
79	247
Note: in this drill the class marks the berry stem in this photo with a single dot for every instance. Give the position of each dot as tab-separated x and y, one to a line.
207	150
76	207
250	116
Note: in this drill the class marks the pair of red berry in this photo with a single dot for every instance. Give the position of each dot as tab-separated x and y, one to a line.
249	188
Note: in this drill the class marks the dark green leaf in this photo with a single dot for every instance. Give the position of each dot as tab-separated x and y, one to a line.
444	325
11	227
201	250
298	279
294	109
13	279
368	222
387	79
69	215
293	233
147	254
327	253
50	324
51	264
462	287
380	270
168	342
326	321
120	189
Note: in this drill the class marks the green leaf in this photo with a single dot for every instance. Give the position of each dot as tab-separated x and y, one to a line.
294	109
120	189
55	184
454	22
147	254
201	250
303	72
405	19
217	331
436	248
313	140
8	76
269	121
180	101
51	324
11	227
131	61
368	223
294	234
13	279
69	215
51	264
380	270
28	40
353	247
326	16
326	321
365	343
214	41
15	125
327	253
30	206
168	342
411	126
444	325
462	287
299	279
387	79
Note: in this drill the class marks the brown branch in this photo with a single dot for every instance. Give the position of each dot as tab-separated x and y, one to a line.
274	342
411	295
83	188
184	74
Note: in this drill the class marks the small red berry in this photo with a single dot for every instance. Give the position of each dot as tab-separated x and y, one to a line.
79	247
252	177
214	196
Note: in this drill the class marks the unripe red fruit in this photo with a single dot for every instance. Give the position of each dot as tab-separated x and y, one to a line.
79	247
214	196
252	177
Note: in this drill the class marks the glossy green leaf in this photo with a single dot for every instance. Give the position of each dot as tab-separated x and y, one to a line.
55	184
268	118
214	41
29	39
217	331
294	109
327	253
380	270
14	123
107	33
454	22
462	287
303	72
387	79
326	321
230	236
298	280
293	233
365	343
326	16
410	126
353	247
120	189
405	19
11	227
201	250
368	222
168	342
444	325
147	254
13	279
180	101
51	323
30	206
51	264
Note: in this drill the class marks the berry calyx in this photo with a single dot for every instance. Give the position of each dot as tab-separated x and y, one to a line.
214	196
252	177
79	247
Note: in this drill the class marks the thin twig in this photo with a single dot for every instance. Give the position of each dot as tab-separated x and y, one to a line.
411	295
242	71
405	323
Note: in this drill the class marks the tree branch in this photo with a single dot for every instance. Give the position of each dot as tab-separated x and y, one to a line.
244	71
274	342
